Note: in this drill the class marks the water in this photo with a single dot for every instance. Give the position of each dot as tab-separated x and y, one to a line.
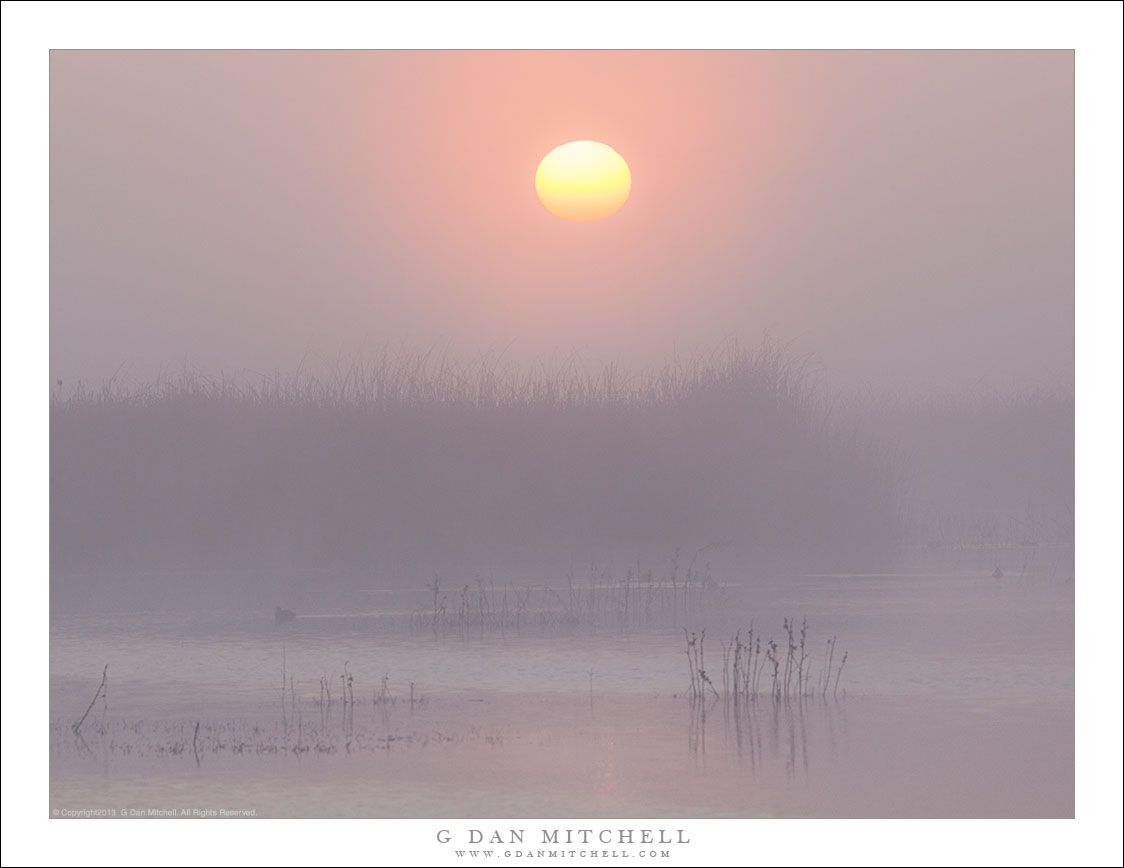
956	700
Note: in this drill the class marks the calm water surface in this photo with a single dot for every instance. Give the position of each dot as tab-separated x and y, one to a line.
956	700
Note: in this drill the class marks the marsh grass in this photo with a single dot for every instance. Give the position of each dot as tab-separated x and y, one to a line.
204	740
413	463
788	670
768	691
285	734
636	601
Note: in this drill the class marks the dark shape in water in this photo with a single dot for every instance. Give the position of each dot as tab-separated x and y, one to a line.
998	574
280	615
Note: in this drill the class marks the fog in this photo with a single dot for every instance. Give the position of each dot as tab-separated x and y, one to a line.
904	216
408	467
755	499
306	311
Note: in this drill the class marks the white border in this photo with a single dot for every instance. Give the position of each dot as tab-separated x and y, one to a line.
30	29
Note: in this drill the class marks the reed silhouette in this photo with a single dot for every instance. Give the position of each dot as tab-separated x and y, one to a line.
412	463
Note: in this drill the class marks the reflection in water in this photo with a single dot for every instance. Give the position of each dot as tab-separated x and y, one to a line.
327	719
766	686
764	729
696	729
547	756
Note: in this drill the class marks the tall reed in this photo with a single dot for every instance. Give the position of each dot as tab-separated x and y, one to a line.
789	670
414	462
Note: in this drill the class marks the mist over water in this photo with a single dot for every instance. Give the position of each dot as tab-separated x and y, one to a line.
956	700
493	574
553	563
390	472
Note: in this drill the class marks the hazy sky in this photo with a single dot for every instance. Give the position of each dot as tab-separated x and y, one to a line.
841	178
905	216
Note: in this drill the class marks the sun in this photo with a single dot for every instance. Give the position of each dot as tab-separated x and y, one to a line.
583	181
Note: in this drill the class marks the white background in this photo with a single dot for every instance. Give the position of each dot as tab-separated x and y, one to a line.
31	29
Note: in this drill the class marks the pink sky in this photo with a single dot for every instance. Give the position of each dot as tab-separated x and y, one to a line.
907	217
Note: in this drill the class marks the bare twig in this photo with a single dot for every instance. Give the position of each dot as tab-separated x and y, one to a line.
99	692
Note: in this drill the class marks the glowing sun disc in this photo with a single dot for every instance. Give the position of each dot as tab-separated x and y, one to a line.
583	181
